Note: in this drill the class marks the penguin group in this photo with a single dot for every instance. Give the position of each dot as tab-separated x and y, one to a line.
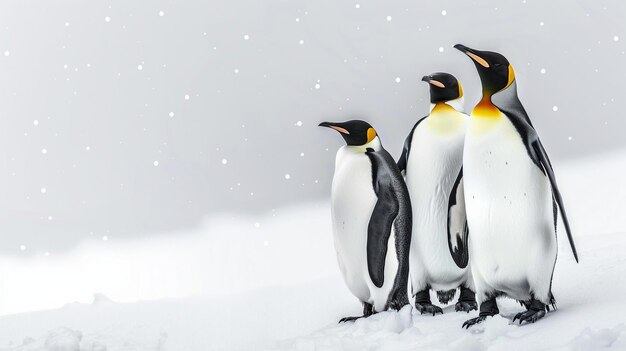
471	205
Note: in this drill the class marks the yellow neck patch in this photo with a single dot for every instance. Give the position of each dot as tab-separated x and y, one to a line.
371	134
486	108
460	91
442	107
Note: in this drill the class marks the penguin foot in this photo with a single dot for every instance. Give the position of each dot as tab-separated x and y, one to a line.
368	310
349	319
530	316
467	301
466	306
428	308
473	321
397	304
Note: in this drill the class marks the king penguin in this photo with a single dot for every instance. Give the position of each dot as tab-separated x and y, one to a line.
511	200
432	158
371	216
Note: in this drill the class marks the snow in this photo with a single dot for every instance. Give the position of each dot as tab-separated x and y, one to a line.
234	285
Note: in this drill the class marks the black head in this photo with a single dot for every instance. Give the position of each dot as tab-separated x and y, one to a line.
443	87
495	71
355	132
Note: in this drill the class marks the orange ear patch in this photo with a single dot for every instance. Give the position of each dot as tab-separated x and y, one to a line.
371	134
511	76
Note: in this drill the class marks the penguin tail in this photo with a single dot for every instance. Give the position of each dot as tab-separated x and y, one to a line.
445	296
552	302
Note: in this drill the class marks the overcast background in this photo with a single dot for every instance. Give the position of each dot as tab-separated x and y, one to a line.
127	118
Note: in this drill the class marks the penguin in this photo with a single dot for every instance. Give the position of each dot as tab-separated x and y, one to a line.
511	200
431	160
371	216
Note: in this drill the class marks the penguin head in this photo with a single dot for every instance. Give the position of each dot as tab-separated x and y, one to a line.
443	87
354	132
495	71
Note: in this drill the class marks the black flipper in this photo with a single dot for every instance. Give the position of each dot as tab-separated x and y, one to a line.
404	157
508	102
392	208
547	166
458	231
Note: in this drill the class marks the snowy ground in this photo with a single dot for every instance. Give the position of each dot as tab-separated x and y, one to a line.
272	283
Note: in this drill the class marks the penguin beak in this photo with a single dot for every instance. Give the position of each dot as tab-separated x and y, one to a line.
334	126
473	54
430	80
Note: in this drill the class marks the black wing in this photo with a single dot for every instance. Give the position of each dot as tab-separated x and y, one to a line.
508	102
385	212
404	157
547	166
458	232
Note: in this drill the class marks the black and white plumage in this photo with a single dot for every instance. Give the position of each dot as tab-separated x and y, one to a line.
510	193
431	159
371	214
